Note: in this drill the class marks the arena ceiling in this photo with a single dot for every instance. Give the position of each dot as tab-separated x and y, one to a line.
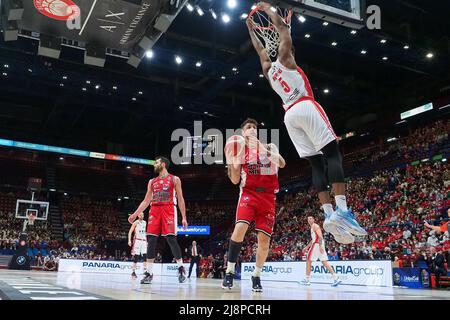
122	109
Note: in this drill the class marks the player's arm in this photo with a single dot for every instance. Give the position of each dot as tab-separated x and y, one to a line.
264	58
285	48
435	228
274	155
130	232
234	172
181	203
144	204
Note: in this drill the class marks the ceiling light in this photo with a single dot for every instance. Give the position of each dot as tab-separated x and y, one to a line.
214	15
226	18
231	4
302	19
430	55
178	59
198	64
149	54
190	7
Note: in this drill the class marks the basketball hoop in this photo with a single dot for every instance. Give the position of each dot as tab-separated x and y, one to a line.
265	29
31	218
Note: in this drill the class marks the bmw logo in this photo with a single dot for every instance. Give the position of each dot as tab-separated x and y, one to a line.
21	260
246	198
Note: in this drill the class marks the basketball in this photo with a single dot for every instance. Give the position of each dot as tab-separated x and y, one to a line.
234	146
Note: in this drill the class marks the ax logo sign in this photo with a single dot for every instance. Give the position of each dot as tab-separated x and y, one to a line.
58	9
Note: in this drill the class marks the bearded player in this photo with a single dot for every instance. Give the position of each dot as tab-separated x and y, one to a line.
256	167
308	127
163	193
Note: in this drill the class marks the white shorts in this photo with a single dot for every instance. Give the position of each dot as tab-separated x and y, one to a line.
309	128
314	253
139	247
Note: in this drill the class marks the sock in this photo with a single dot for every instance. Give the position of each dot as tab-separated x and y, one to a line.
150	267
257	272
341	202
180	263
328	209
230	267
308	278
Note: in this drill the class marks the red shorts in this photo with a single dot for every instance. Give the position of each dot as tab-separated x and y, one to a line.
162	220
258	207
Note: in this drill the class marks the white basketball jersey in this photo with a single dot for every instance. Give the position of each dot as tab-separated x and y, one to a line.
314	236
290	85
140	230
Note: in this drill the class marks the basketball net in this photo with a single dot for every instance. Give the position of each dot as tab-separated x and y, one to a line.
264	29
31	219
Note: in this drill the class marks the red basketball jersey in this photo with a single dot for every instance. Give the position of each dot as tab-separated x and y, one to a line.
258	173
164	191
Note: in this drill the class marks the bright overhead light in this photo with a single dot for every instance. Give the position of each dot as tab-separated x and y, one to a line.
231	4
114	87
223	77
5	74
226	18
88	81
406	47
325	23
234	69
61	158
134	99
64	77
97	86
261	75
149	54
190	7
326	91
383	41
307	36
302	19
213	13
180	107
198	64
334	43
128	167
363	51
178	60
61	84
262	123
200	11
250	83
430	55
244	16
353	32
84	89
140	92
206	112
6	66
385	58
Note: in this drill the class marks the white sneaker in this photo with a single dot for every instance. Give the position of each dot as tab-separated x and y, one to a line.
336	282
305	282
343	236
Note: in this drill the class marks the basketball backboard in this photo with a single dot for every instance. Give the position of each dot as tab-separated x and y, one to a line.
348	13
37	208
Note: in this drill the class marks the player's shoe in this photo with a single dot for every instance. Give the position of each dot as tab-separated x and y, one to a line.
228	281
147	278
256	284
181	274
343	236
305	282
336	282
346	219
133	275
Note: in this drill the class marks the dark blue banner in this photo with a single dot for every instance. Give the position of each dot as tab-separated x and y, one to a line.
415	278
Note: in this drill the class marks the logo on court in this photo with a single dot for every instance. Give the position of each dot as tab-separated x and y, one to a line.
63	10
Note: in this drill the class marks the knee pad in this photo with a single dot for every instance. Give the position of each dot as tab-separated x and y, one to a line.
334	160
151	247
319	172
173	244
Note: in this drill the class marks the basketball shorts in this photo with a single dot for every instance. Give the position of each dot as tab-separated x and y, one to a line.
162	221
258	207
139	247
309	128
314	253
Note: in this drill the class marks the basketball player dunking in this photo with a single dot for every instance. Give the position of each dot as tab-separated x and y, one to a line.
317	251
308	127
257	170
139	244
163	193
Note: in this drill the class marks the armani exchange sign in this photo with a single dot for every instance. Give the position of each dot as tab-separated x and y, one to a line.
115	24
